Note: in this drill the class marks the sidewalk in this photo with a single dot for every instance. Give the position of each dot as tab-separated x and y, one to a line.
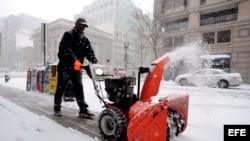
43	106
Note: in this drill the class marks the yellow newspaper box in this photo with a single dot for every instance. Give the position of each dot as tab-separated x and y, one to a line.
52	79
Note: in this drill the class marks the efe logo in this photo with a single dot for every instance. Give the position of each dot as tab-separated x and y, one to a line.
237	132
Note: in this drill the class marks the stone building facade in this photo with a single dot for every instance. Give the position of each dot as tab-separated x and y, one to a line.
221	27
101	41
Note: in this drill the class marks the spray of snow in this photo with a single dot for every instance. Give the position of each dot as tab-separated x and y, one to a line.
190	54
184	59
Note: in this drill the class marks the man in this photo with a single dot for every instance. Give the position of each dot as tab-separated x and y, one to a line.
73	48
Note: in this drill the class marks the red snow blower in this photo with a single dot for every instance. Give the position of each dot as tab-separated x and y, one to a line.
135	117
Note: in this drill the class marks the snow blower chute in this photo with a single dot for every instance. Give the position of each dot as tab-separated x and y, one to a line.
134	117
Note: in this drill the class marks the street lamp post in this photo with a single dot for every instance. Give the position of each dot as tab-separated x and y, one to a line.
126	45
44	41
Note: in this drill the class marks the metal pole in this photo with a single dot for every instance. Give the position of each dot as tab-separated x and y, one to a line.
44	41
141	52
44	54
126	59
126	44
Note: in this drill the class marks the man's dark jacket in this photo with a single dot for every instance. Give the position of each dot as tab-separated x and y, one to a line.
74	46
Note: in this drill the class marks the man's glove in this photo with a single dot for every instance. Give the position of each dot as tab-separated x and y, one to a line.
77	65
94	60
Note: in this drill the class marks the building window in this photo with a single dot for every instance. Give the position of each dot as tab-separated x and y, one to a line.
169	3
178	41
179	2
185	3
224	36
203	2
106	16
175	3
176	25
168	42
219	17
208	38
110	15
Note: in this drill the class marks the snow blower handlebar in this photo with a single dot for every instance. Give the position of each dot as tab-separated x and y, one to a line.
87	69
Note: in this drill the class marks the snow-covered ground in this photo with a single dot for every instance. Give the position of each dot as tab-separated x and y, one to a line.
209	110
19	124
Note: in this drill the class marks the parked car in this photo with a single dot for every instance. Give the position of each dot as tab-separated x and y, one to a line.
210	77
4	70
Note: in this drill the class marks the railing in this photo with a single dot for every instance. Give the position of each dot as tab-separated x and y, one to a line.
176	26
221	19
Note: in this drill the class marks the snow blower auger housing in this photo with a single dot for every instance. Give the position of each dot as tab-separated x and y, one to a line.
134	117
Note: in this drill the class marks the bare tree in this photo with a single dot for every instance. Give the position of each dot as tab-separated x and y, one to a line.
149	28
139	40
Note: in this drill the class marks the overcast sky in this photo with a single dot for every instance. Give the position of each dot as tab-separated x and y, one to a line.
53	9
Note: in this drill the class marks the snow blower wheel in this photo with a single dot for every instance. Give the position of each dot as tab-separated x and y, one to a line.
112	124
175	124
